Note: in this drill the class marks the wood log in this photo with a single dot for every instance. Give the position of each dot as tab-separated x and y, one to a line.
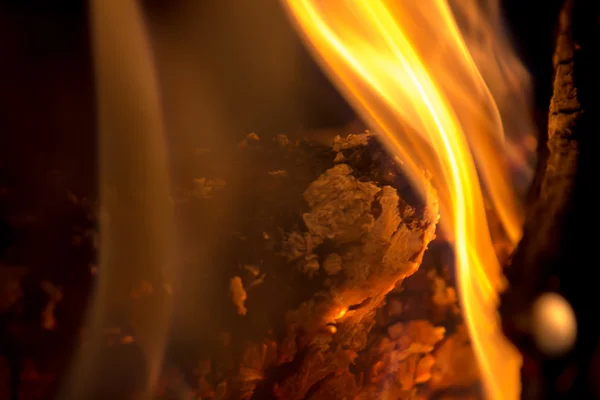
538	246
554	252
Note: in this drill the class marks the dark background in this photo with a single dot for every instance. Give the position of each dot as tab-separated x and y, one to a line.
47	94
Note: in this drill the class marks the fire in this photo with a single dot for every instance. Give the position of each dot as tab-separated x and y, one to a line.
442	89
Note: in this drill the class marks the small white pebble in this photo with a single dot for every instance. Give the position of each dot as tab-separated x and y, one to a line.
554	324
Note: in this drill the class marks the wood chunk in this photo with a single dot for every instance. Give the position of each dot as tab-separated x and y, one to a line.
395	331
351	141
455	363
423	371
333	264
238	294
332	192
394	308
205	188
375	247
406	373
251	137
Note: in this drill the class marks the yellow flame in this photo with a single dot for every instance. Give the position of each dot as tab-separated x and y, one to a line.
436	81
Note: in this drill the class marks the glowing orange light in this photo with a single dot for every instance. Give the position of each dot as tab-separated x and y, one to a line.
439	95
341	313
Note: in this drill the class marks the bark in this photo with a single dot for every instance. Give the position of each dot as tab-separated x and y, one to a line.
555	250
544	222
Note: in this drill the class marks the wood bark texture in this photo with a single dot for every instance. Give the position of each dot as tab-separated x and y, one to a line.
556	252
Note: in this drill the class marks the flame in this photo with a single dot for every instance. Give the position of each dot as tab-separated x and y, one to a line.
439	84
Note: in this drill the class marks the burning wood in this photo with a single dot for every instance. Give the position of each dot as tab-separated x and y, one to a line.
363	321
238	294
379	241
368	322
386	59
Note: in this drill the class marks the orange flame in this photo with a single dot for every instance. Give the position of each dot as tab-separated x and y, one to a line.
436	81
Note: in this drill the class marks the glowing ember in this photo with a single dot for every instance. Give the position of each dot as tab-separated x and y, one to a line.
438	97
341	314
